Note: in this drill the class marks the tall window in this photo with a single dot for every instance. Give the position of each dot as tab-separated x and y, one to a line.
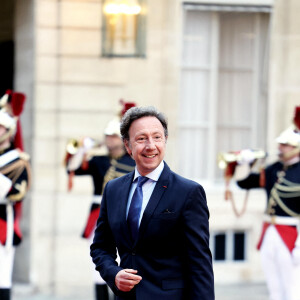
123	28
229	246
223	84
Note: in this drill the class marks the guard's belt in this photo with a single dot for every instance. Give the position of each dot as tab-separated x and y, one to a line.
279	220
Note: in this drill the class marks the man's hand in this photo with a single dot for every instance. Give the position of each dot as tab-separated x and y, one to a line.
126	280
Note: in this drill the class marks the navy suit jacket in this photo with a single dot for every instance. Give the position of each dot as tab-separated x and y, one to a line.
172	251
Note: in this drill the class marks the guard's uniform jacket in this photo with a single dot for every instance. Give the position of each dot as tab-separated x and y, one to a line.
102	169
15	166
282	184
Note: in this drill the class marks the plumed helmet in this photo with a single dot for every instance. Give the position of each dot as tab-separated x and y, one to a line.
290	136
13	103
7	121
113	126
296	119
126	106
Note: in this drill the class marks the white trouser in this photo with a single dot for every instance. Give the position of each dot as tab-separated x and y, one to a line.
96	275
280	271
6	266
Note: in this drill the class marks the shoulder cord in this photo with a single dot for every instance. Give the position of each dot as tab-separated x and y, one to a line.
277	199
16	169
229	196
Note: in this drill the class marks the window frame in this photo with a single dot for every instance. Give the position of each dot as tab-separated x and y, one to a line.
211	127
229	245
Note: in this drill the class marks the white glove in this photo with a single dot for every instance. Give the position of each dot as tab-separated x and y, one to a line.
76	160
241	172
246	156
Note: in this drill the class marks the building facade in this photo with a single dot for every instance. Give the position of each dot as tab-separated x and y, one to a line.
225	73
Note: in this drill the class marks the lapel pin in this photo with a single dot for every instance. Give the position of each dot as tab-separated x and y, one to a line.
164	186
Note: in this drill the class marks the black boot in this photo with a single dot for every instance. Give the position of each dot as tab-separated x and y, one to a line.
101	292
4	294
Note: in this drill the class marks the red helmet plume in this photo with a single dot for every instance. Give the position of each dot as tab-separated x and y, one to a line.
297	117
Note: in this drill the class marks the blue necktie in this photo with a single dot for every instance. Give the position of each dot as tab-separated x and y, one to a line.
135	208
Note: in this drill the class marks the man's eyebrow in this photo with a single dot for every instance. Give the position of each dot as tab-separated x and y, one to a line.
141	133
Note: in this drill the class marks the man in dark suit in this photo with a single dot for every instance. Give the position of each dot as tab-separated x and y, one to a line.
156	219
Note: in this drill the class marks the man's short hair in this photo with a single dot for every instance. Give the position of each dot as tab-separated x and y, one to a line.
136	113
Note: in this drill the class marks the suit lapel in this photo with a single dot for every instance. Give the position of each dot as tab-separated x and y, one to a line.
158	192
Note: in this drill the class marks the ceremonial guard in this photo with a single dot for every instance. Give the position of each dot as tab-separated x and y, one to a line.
102	163
14	183
280	242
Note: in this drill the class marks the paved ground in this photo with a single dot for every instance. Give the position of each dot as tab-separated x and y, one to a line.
241	292
223	292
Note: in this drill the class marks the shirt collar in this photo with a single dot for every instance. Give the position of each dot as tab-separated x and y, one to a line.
154	175
292	161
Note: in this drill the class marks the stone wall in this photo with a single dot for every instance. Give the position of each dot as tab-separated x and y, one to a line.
76	92
73	91
284	67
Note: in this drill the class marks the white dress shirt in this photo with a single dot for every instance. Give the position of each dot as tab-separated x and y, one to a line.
147	187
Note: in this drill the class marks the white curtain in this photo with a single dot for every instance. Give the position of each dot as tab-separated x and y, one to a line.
231	114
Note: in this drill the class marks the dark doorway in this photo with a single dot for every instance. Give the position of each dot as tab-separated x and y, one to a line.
7	66
6	45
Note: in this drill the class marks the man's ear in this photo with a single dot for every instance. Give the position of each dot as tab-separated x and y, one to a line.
127	146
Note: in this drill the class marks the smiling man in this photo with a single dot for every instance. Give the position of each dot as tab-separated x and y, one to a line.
156	220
